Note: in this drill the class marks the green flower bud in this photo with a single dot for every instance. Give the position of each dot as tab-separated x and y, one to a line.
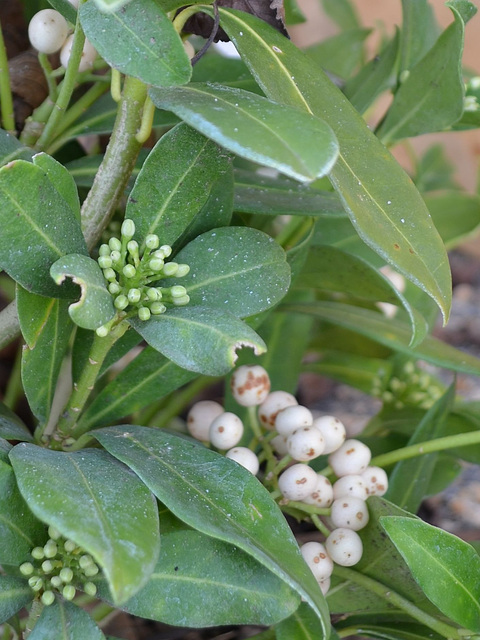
56	582
183	269
152	241
154	294
129	271
157	308
70	545
68	442
132	246
26	569
109	275
91	571
66	574
85	561
54	533
158	254
35	583
182	301
89	588
121	302
68	592
114	288
38	553
170	269
47	566
104	250
144	313
156	264
115	244
103	331
177	291
134	296
105	262
115	256
47	598
128	228
167	250
50	549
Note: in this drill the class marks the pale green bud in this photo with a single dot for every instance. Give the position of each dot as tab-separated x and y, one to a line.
50	549
109	275
121	302
156	264
183	269
132	246
144	313
54	533
85	561
152	241
91	571
66	574
158	254
154	294
103	331
56	582
157	308
47	566
115	244
105	262
114	288
70	545
104	250
170	269
68	592
115	256
129	271
38	553
134	296
177	291
167	250
182	301
128	228
35	583
47	598
404	76
89	588
26	569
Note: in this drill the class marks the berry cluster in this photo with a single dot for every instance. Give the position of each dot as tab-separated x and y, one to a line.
130	275
60	566
409	387
48	32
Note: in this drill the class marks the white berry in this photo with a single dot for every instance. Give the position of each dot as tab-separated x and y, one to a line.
273	403
47	31
351	458
318	560
292	418
324	586
297	482
89	54
322	495
201	416
250	385
305	444
279	444
376	481
246	457
333	432
349	512
350	485
225	431
344	546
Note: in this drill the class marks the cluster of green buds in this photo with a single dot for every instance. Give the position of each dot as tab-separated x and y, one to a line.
60	566
410	387
472	94
130	275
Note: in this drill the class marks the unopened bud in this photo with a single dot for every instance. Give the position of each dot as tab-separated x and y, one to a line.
115	256
105	262
157	308
104	250
152	241
114	288
56	582
70	545
54	533
68	592
128	228
109	275
156	264
170	269
38	553
47	566
47	598
115	244
26	569
154	294
144	313
129	271
50	549
134	296
182	301
66	574
183	269
121	302
103	331
89	588
178	291
85	561
91	571
167	250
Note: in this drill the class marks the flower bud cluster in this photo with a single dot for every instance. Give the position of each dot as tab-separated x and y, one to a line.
130	275
59	567
409	387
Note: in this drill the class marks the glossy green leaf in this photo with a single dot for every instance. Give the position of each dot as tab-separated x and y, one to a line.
302	625
466	221
45	228
463	420
342	53
419	32
226	502
387	626
108	6
374	78
95	306
293	13
138	40
92	499
12	149
446	471
47	330
255	128
392	333
14	595
148	378
11	427
174	183
256	193
192	563
445	567
435	171
236	269
410	479
387	211
65	8
63	620
60	179
232	72
342	12
199	339
431	97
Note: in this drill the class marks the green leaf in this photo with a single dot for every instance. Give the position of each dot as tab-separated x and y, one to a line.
255	128
139	41
11	427
227	503
174	183
410	479
435	171
236	269
342	53
387	211
445	567
431	97
148	378
12	149
47	330
20	531
301	625
95	306
111	5
60	179
419	32
293	13
14	595
63	620
387	626
45	228
191	563
92	499
467	215
392	333
199	338
65	8
342	12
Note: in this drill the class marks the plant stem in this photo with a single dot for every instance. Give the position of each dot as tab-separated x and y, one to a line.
6	100
9	326
47	70
399	601
118	163
320	526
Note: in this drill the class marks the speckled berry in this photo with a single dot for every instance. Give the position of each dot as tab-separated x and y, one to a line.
376	481
322	495
332	430
273	403
246	457
344	546
351	458
349	512
350	485
292	418
201	416
318	560
250	385
297	482
305	444
226	431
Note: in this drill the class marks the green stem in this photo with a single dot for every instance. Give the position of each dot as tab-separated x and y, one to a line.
398	601
9	326
35	612
6	100
47	70
320	526
83	387
117	165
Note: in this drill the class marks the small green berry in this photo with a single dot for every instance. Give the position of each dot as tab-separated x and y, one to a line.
68	592
105	262
103	331
144	313
89	588
129	271
66	574
26	569
121	302
47	598
128	228
109	275
157	308
170	269
156	264
104	250
70	545
114	288
115	244
56	582
152	241
47	566
38	553
134	296
183	269
54	533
